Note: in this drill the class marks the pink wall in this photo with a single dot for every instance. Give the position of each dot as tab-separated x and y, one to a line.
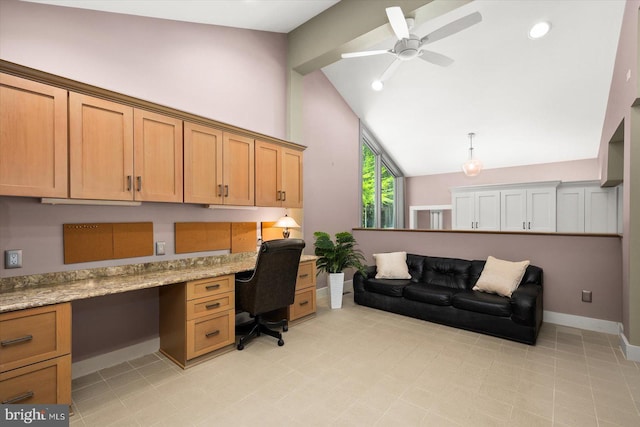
570	263
331	175
231	75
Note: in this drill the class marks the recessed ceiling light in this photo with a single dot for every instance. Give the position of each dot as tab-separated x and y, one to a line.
377	85
539	30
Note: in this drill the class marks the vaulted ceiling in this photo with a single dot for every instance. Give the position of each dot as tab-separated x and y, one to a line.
528	101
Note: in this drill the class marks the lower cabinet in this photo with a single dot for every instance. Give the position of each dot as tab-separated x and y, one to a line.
35	355
197	318
304	303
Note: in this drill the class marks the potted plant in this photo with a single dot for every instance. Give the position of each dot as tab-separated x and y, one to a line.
334	258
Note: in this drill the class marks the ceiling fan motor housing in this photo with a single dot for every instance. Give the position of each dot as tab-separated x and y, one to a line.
407	49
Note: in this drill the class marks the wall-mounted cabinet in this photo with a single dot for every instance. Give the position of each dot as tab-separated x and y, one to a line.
278	176
33	140
587	208
122	153
476	210
528	209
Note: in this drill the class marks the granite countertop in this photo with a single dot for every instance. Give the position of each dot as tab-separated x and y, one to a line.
28	292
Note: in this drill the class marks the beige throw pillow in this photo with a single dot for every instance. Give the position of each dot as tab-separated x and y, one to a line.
392	265
500	277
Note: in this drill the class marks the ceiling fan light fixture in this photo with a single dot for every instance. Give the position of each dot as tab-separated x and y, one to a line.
377	85
539	30
471	167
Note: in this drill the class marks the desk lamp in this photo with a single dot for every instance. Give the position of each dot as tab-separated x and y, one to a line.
286	222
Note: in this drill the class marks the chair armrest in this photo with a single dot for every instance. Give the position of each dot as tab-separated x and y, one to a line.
359	278
526	304
244	276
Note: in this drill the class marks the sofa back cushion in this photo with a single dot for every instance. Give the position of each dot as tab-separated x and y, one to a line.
449	272
416	266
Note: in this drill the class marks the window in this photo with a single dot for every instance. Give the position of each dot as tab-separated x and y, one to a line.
381	187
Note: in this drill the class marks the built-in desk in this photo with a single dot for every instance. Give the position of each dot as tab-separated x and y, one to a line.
35	316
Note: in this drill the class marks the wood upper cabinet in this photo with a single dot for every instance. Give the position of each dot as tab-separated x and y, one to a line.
278	176
121	153
218	167
33	139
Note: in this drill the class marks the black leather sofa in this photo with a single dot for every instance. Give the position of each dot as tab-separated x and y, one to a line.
440	290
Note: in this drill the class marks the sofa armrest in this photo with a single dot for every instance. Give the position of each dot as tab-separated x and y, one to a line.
526	304
369	272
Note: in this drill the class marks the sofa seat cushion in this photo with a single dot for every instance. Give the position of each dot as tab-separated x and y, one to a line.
482	302
431	294
391	287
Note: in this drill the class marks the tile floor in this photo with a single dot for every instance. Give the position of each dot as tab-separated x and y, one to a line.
362	367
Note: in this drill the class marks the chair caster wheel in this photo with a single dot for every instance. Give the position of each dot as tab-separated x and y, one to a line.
240	347
280	343
285	328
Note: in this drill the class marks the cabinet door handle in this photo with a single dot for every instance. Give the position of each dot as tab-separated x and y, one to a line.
128	182
523	227
7	343
212	333
278	194
212	306
529	225
18	398
219	190
226	191
472	225
212	287
139	183
284	196
304	302
476	225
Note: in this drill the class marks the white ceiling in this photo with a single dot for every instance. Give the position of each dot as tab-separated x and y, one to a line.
528	101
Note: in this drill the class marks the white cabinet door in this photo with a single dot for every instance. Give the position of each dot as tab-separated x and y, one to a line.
487	208
463	211
600	214
570	210
513	210
541	209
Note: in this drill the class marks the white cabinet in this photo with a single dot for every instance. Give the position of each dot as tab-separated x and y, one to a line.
587	208
528	209
476	210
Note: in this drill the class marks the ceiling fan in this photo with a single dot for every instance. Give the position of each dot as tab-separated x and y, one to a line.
410	46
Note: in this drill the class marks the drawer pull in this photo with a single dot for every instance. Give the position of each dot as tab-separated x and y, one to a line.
302	276
16	340
18	398
304	302
212	306
212	287
212	333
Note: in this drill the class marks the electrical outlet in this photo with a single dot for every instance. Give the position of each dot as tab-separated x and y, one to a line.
586	296
160	248
13	258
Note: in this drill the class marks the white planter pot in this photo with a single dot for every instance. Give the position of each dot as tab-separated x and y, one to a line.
336	286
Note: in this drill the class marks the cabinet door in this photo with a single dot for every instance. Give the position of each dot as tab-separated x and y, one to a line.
463	211
570	213
268	174
291	178
513	210
202	164
487	207
157	157
100	148
238	170
600	210
541	209
33	140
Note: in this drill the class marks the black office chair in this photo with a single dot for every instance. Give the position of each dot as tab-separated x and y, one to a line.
270	287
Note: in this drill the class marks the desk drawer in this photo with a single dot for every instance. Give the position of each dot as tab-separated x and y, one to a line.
205	306
303	304
34	335
306	275
210	333
47	382
207	287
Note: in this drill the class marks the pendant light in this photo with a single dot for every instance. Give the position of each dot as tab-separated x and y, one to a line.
471	167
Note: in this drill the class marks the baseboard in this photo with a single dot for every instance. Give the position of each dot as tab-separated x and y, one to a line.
93	364
588	323
630	351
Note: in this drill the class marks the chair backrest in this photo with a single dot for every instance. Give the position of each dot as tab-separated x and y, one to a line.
273	282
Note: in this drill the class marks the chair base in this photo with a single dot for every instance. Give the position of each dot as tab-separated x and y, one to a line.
258	327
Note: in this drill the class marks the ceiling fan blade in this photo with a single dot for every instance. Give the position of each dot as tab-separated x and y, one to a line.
452	28
436	58
364	53
398	22
390	70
